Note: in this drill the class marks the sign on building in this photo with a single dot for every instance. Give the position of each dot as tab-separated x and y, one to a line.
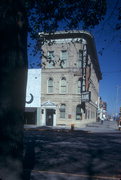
86	96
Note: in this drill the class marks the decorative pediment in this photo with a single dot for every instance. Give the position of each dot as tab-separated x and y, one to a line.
49	104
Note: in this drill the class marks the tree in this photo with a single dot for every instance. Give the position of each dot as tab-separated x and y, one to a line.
17	18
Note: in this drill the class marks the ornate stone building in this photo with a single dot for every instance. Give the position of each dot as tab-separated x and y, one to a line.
70	79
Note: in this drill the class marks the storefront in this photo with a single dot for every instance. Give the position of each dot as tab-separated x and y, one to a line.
32	115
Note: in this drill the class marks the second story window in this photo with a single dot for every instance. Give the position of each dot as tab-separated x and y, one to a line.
64	58
63	86
80	59
50	59
79	86
50	85
83	85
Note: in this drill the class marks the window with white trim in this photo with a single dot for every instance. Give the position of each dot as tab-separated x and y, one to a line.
78	112
63	85
62	111
64	58
80	58
50	59
50	85
79	86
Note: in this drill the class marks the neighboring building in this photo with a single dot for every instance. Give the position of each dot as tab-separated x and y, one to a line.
102	109
33	98
70	79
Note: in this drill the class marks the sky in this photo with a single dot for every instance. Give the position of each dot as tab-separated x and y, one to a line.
108	47
108	43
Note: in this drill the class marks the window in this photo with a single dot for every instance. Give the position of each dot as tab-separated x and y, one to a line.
50	59
83	85
50	85
63	86
62	111
80	58
78	113
64	58
79	86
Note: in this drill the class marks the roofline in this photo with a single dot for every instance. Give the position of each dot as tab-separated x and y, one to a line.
68	34
78	34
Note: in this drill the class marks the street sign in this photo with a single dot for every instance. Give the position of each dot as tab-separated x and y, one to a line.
86	96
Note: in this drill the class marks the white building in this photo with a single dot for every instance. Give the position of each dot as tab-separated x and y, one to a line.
33	98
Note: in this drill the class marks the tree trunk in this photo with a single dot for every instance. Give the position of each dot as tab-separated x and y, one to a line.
13	74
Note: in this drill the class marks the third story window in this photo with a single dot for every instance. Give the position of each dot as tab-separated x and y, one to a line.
64	58
50	59
80	58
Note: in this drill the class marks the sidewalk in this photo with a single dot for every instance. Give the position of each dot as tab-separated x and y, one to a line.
96	127
107	127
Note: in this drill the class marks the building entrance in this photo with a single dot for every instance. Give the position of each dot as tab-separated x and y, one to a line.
49	117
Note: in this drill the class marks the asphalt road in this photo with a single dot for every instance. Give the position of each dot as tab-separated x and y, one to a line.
76	155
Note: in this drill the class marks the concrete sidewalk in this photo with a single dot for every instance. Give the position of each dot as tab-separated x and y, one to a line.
107	126
96	127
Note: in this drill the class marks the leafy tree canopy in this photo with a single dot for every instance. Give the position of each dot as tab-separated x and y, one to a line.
51	15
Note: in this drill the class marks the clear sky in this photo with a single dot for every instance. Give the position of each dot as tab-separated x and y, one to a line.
108	43
108	46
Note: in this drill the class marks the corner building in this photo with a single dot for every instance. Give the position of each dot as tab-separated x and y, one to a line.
70	79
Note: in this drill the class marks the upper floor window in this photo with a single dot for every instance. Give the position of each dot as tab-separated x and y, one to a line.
79	86
64	58
62	111
51	59
80	58
63	86
50	85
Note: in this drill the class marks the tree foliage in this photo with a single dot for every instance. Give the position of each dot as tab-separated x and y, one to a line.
49	16
16	19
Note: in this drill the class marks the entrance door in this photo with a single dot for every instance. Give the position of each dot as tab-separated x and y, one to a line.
49	117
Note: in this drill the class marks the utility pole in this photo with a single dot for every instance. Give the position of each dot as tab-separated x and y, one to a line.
117	93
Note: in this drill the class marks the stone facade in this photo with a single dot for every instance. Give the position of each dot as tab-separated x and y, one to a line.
70	68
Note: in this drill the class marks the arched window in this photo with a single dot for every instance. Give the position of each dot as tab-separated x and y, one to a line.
50	85
62	111
63	86
79	86
78	112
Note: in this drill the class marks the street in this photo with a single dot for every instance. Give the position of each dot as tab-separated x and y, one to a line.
72	155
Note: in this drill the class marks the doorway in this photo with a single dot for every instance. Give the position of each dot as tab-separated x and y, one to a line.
49	117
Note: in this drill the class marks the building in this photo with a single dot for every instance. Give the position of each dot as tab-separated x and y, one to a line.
102	109
32	114
70	79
